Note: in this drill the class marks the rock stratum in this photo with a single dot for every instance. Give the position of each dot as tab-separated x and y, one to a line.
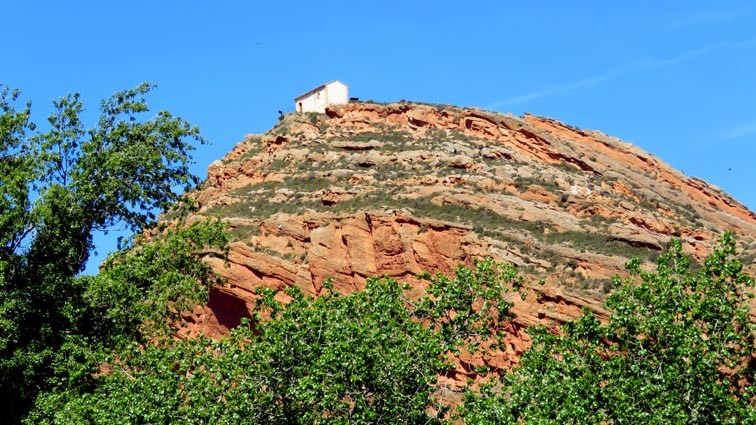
396	189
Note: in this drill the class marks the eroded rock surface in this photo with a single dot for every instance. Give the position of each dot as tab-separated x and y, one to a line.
368	189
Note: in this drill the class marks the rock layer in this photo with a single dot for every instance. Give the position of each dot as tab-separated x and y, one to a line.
367	190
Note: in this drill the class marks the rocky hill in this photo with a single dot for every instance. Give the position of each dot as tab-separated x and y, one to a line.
371	189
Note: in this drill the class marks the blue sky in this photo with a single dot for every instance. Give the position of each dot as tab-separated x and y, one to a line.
675	78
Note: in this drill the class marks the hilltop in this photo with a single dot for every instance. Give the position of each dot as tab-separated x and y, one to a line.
396	189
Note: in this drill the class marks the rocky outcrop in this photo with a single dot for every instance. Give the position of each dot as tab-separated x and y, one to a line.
366	190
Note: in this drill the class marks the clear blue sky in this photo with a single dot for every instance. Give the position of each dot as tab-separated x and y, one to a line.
675	78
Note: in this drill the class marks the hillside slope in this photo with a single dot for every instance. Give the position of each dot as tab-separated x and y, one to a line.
369	189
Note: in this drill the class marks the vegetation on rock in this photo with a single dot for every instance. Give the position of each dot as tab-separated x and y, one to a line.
526	190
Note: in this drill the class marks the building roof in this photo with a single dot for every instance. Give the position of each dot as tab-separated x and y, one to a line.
318	88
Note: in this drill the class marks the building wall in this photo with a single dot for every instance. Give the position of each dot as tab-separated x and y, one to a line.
334	93
309	103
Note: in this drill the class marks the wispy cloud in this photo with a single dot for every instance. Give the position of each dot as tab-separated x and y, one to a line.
630	68
705	18
740	131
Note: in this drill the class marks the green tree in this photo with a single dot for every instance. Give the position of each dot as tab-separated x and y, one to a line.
371	356
678	348
128	317
56	188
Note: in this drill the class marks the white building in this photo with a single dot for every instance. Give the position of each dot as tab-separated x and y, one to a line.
316	100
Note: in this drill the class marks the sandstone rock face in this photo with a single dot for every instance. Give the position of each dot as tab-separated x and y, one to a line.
367	190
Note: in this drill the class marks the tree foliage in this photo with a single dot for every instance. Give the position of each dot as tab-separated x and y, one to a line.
57	187
130	311
678	348
371	356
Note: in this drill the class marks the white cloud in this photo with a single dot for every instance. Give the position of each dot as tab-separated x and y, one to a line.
630	68
705	18
737	132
